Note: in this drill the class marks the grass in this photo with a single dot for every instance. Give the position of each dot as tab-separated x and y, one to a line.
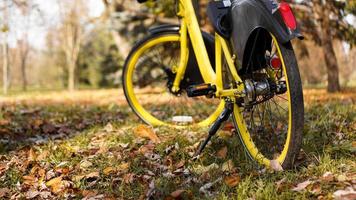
87	141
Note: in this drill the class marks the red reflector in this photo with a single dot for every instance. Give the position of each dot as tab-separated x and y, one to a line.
276	63
288	15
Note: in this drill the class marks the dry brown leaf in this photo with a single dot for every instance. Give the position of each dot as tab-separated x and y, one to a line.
347	194
232	180
129	178
32	194
4	192
228	166
222	153
64	170
93	175
4	122
327	177
32	156
180	164
43	155
302	186
280	182
276	166
228	127
89	193
29	180
177	193
146	132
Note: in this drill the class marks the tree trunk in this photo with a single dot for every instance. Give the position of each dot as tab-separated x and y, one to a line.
122	44
5	67
23	73
322	13
331	65
71	75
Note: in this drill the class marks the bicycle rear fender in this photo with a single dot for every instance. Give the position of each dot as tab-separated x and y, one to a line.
252	21
192	74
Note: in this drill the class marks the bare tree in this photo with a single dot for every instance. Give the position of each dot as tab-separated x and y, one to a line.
73	14
5	48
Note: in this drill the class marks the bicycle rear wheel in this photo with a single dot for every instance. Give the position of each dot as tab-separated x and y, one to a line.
271	127
148	75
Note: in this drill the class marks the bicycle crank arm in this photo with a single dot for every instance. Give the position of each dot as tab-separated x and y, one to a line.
224	116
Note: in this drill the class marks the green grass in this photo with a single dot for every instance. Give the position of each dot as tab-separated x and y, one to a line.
101	137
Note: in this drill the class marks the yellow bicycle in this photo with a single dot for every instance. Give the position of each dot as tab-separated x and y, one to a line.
181	76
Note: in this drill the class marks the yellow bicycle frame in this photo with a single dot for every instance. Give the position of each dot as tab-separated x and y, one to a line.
190	26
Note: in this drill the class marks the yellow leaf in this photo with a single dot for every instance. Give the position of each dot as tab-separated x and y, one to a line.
222	153
232	180
108	170
123	166
54	182
146	132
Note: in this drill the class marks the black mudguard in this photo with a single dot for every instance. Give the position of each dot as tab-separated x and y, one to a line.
192	75
252	21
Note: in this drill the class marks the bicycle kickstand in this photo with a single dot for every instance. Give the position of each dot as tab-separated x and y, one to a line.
224	116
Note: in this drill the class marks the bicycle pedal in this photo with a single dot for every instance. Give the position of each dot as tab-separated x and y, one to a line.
201	90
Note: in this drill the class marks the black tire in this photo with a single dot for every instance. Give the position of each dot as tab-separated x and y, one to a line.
200	117
297	113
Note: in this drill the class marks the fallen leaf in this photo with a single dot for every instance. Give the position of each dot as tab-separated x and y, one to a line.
32	156
341	178
348	194
109	170
177	193
180	164
123	167
56	184
129	178
109	128
29	180
276	166
43	155
222	153
4	192
327	177
32	194
228	127
89	193
228	166
85	164
54	181
4	122
280	182
93	175
232	180
146	132
302	186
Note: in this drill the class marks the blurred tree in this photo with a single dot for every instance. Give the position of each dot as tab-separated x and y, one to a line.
74	16
324	21
99	60
5	46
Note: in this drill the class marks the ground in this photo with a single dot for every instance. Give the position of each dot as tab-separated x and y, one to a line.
89	144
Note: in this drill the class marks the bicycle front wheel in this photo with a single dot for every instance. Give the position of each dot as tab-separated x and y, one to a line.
148	76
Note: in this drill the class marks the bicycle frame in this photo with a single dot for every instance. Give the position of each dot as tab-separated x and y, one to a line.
191	26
